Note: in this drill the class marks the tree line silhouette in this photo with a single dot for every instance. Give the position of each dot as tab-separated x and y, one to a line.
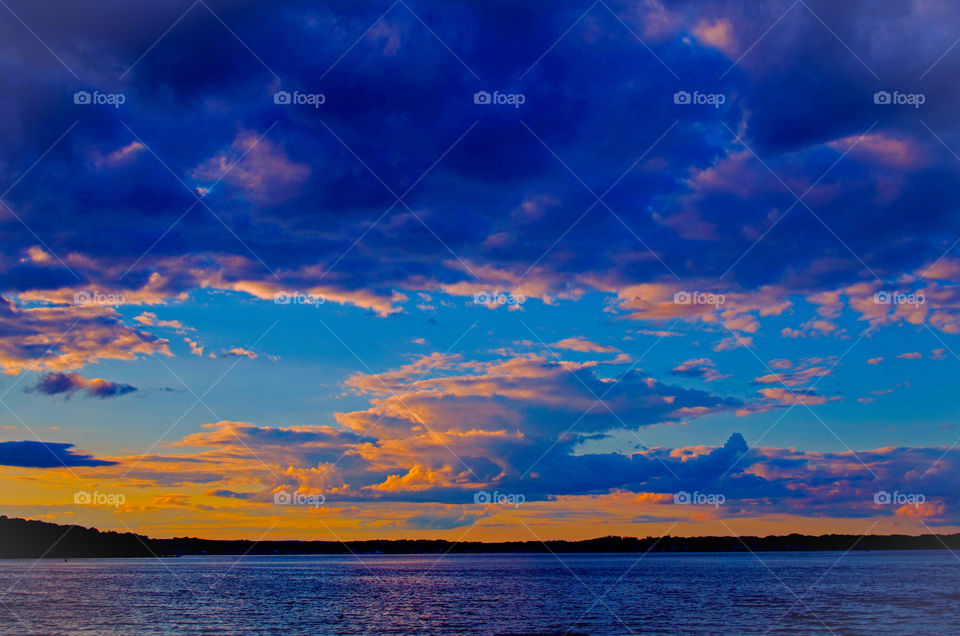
22	538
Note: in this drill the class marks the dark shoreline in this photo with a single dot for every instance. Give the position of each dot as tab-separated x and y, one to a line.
20	538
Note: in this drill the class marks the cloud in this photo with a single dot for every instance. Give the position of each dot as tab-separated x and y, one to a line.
195	347
718	34
58	383
302	192
660	333
932	509
310	205
257	167
418	470
441	427
793	396
61	338
30	454
732	342
239	352
529	388
798	378
583	345
443	518
902	152
118	157
703	368
150	319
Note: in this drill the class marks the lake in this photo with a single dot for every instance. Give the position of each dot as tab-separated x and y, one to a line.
717	593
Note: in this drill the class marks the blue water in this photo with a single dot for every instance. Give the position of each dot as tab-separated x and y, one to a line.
797	593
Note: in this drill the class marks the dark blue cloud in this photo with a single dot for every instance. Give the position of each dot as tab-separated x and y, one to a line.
56	383
30	454
598	97
230	494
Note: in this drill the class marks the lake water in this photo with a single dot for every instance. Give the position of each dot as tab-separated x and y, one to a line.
818	592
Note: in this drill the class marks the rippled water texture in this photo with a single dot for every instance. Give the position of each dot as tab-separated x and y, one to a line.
860	593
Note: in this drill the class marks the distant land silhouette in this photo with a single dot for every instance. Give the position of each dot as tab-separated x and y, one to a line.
29	539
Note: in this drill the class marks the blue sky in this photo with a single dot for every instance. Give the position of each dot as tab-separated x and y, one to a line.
726	234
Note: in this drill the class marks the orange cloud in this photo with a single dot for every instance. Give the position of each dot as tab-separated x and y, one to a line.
718	34
68	337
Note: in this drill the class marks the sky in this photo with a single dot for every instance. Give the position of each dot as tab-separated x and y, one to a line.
480	270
